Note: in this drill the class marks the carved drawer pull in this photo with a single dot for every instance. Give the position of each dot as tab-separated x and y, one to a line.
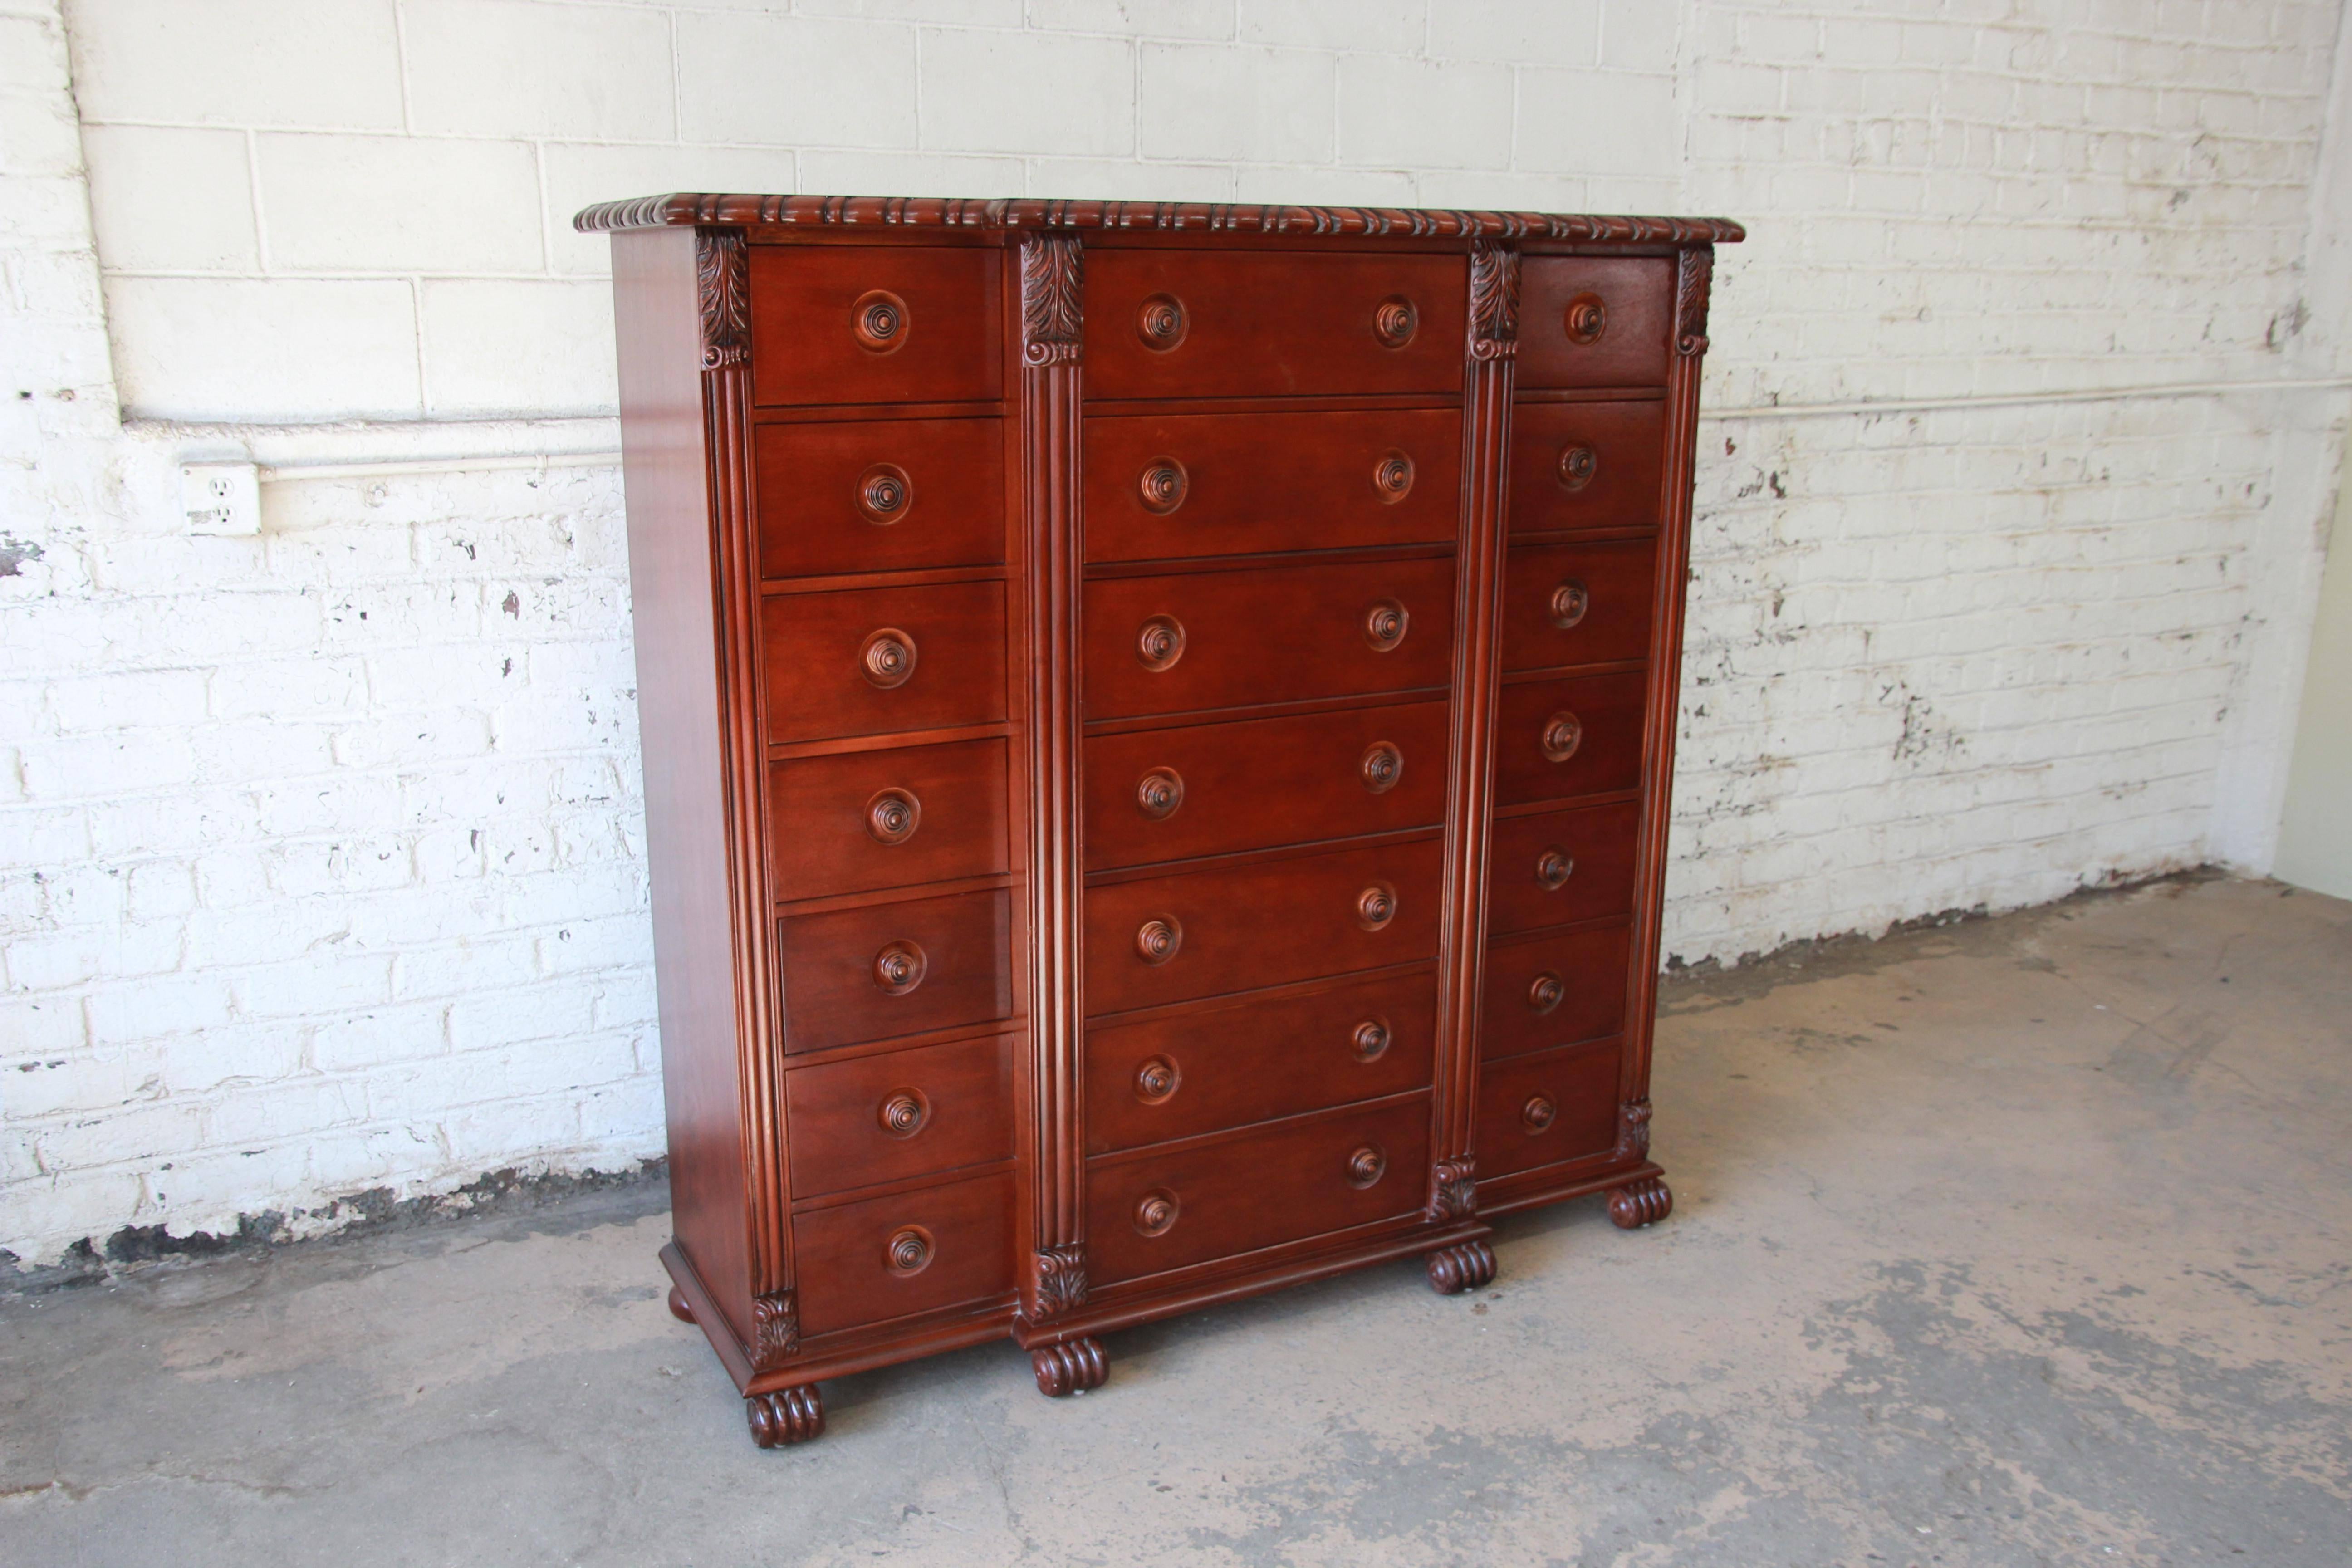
1155	1212
1162	323
1382	765
1371	1039
1385	624
1156	1080
879	320
892	815
1578	464
901	967
883	493
907	1112
1546	992
1569	603
1538	1112
1376	906
1366	1166
1156	939
1394	320
1159	643
909	1250
1393	477
1163	486
1159	793
1563	733
888	657
1554	866
1587	319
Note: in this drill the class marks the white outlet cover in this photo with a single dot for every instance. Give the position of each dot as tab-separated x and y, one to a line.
221	497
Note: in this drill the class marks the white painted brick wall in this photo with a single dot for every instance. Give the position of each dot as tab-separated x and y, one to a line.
322	853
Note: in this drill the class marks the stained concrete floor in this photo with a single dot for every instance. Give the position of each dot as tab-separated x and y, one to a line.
2019	1241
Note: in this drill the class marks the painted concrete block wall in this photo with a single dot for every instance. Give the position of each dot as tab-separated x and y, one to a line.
321	854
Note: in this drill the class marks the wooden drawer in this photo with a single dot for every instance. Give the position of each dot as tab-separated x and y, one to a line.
891	323
1543	1109
1555	739
829	665
1265	925
1249	323
1267	634
1552	991
859	821
1561	867
1207	1070
879	495
1578	603
1229	484
1261	782
1237	1195
895	969
852	1261
1586	465
1593	320
910	1113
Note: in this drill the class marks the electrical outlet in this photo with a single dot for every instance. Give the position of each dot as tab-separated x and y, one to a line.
221	497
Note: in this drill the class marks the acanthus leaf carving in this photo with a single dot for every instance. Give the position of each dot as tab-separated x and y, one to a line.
1452	1190
1493	301
1632	1132
1053	274
1060	1276
1696	267
775	1329
722	273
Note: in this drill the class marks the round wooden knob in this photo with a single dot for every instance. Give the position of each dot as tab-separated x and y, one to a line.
1382	765
1569	603
1156	939
1376	906
1563	733
1371	1039
1159	643
1578	464
1155	1212
888	657
899	967
1156	1080
878	319
1587	319
1554	866
904	1113
1538	1112
1159	793
883	493
1544	993
1161	322
1393	477
1394	322
1385	624
1163	486
909	1250
1367	1165
892	815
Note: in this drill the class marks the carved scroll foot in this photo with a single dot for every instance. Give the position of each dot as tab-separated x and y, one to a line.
1071	1367
787	1415
1637	1203
1465	1266
677	1307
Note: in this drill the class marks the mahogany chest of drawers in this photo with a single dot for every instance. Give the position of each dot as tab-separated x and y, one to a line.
1158	723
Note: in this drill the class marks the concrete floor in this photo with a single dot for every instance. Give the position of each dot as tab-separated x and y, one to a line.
2019	1241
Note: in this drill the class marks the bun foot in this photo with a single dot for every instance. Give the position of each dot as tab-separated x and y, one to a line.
787	1415
1637	1203
1465	1266
1071	1367
677	1307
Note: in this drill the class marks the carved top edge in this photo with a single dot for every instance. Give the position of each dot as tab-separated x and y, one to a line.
1030	212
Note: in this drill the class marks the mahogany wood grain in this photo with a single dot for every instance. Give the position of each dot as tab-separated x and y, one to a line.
1607	710
845	1253
1561	867
1586	969
829	830
1263	321
1557	347
945	348
1261	782
879	495
1579	466
1253	1059
1221	484
871	1120
1267	634
815	648
832	992
1548	1107
1579	604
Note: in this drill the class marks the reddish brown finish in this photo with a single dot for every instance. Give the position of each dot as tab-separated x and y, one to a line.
1580	466
822	834
832	995
946	349
844	1257
879	495
1550	1107
817	642
1252	483
1579	604
1262	783
1561	867
1261	322
1606	708
1246	1059
1586	969
1635	296
916	1112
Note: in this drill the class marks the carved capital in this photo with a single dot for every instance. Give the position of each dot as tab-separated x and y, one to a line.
1060	1277
1633	1133
1053	273
1696	265
1452	1190
775	1330
722	269
1493	301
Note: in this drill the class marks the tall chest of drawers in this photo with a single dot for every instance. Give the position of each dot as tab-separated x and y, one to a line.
1158	723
